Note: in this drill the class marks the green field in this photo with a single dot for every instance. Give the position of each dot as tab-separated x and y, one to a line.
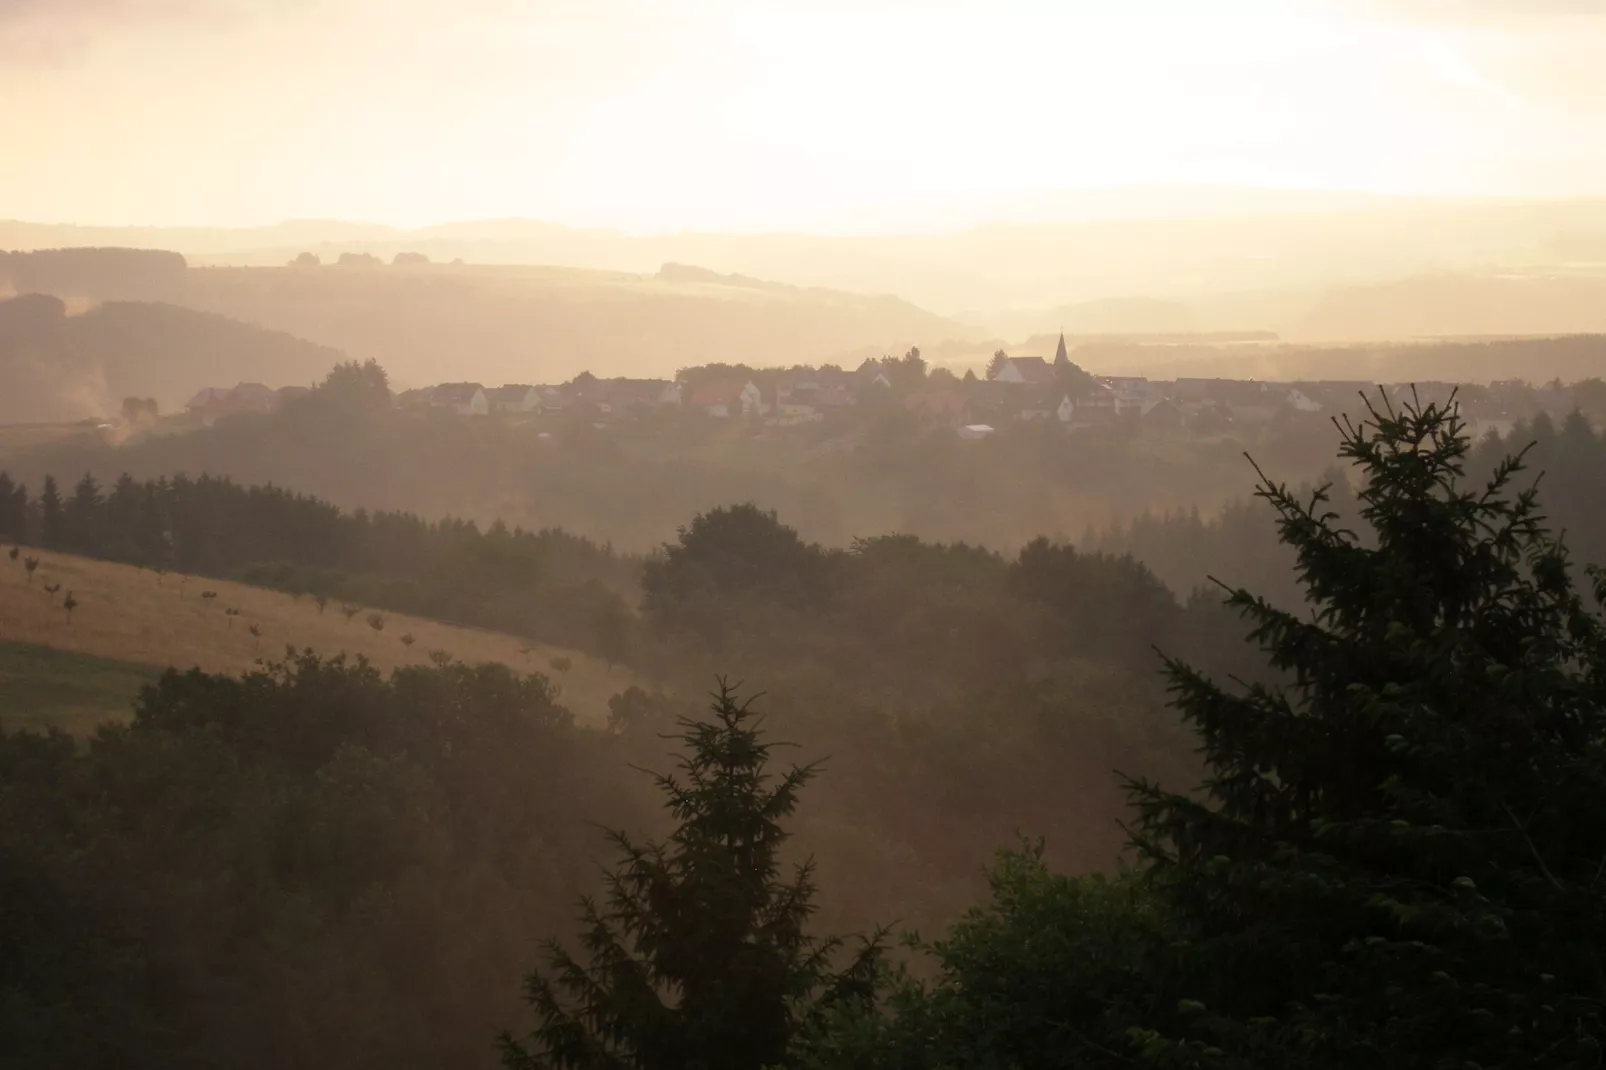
40	687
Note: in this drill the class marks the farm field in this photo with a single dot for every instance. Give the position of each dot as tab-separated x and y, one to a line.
41	687
130	622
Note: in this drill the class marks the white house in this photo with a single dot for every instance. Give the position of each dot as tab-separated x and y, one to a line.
1131	393
724	398
972	432
465	399
515	397
1099	405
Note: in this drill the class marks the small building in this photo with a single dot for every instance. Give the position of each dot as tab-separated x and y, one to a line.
464	399
206	398
623	394
252	397
1131	393
514	398
1093	408
213	403
1033	371
972	432
724	398
794	407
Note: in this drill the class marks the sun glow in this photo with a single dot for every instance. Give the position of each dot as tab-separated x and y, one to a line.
772	115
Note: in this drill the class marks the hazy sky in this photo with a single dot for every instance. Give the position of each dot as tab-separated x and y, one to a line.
829	114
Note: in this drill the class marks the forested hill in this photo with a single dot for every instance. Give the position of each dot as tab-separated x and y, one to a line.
545	585
58	367
546	324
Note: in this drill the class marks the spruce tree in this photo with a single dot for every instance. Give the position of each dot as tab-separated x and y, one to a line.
697	957
81	518
51	531
1399	857
13	510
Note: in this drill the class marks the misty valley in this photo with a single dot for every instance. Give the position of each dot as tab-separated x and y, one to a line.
844	557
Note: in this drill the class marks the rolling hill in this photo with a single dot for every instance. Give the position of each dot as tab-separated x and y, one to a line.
56	366
129	622
427	323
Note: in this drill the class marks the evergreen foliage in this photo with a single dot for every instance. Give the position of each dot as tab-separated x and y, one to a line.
52	534
1399	858
698	955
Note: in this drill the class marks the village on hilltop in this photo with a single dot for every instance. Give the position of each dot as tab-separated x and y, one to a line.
1015	390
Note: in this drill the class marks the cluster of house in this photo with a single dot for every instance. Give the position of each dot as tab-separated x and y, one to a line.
1018	389
213	403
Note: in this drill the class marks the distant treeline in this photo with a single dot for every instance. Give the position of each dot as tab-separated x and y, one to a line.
1568	357
545	585
97	274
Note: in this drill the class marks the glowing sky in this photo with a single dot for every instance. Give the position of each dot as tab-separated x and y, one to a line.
777	114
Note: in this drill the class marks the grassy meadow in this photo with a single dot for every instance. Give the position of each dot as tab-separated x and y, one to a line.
130	622
41	687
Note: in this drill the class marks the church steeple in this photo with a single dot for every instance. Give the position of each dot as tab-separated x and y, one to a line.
1061	357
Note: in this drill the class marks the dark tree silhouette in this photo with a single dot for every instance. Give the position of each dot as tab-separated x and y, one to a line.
699	956
51	532
1399	859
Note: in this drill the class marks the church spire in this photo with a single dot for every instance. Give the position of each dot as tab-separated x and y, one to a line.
1061	357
